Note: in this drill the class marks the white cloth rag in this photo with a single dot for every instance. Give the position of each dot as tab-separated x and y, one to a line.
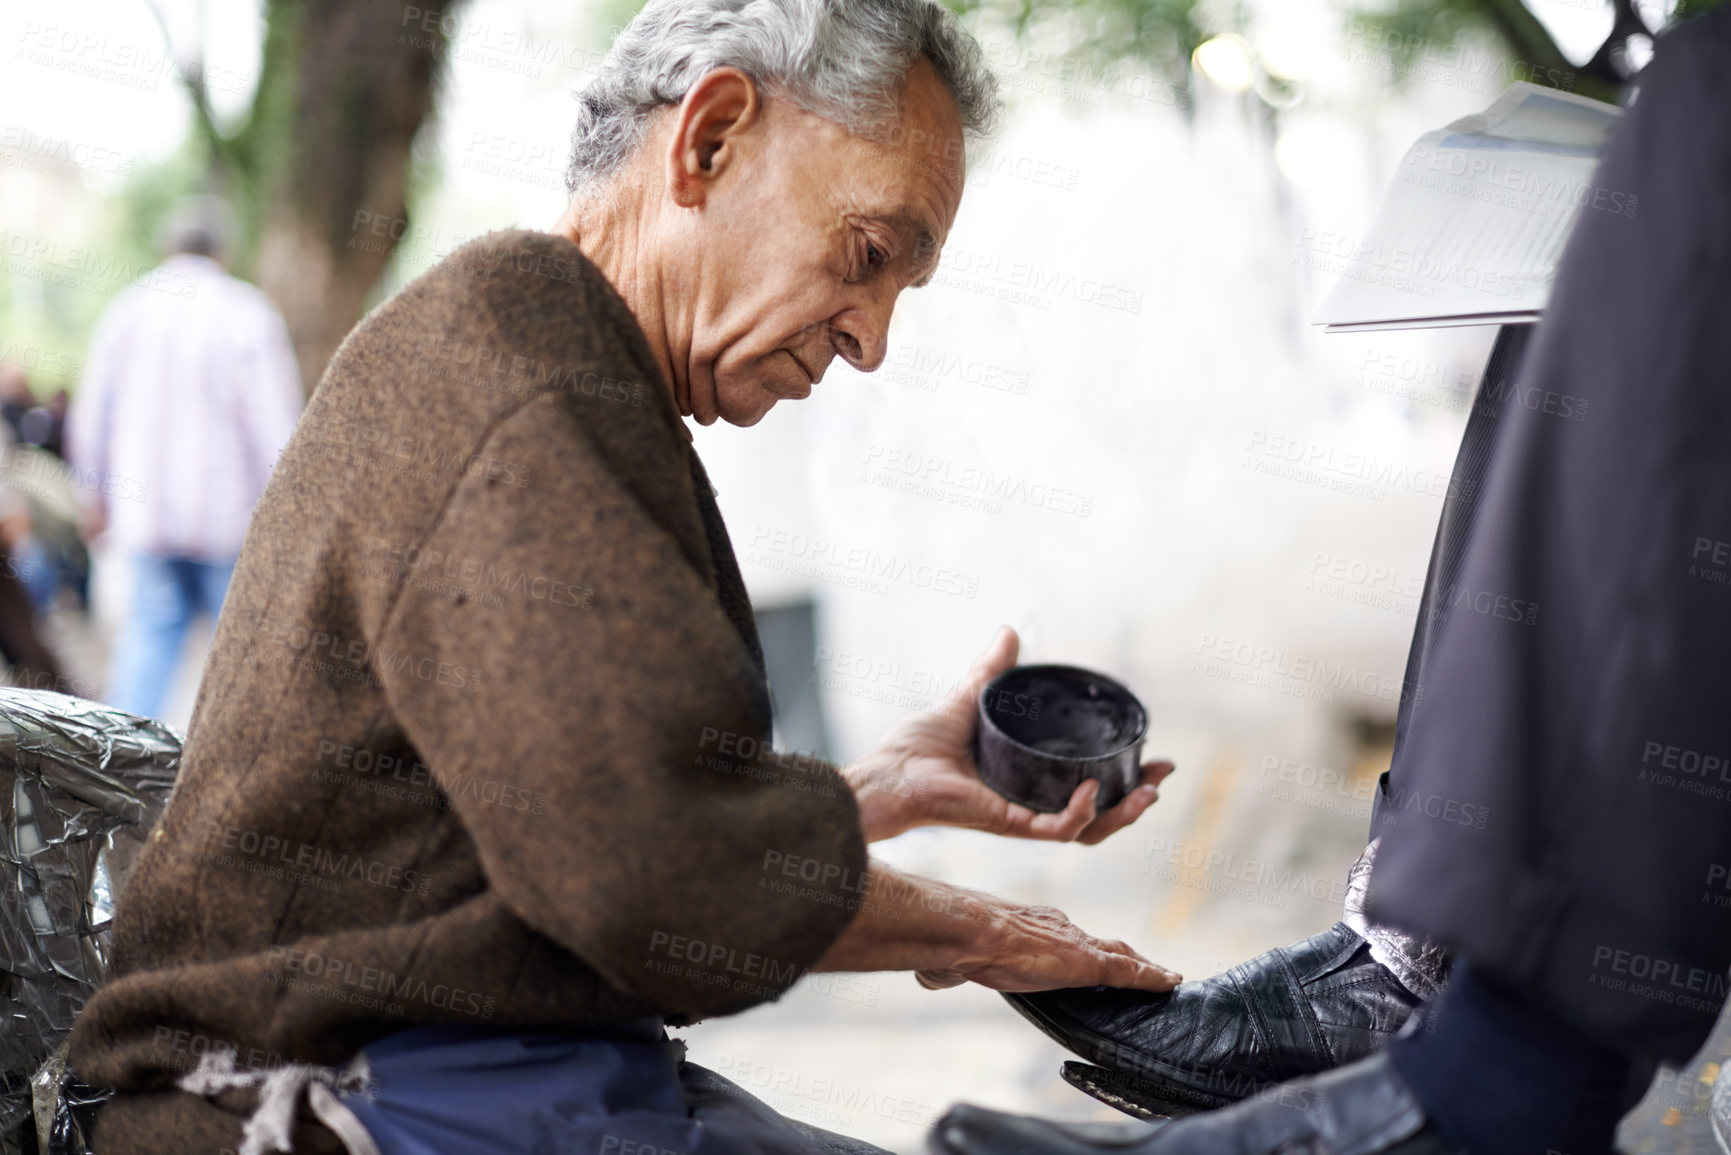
280	1089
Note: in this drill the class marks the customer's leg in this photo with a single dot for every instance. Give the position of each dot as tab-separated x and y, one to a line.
147	648
1567	816
1564	812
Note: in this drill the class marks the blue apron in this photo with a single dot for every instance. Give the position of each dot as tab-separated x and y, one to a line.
624	1090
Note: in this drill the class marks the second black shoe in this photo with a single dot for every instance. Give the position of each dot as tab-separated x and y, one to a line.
1362	1109
1292	1012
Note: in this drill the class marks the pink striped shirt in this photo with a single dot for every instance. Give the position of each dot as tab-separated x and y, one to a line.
189	395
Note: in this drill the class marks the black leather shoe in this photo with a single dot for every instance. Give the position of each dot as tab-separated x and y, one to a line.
1295	1011
1362	1109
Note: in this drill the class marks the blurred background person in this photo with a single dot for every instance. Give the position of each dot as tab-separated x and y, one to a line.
46	551
16	396
30	660
190	393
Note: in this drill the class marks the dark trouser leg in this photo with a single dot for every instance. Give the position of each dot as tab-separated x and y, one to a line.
1496	1074
1460	512
1570	747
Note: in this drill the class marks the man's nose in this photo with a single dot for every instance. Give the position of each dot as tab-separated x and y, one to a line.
861	332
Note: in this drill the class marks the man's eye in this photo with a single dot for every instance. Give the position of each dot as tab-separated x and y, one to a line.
875	256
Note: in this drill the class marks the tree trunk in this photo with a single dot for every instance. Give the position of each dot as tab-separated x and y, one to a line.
363	76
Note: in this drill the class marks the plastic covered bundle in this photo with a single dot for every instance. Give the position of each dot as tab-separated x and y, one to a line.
80	787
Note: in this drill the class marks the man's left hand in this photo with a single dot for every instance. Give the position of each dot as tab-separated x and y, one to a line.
923	774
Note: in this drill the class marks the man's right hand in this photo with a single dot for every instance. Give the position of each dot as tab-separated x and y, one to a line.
948	935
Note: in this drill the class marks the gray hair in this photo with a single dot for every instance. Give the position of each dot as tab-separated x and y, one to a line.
199	224
843	60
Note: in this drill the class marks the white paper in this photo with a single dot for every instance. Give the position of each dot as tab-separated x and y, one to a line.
1475	222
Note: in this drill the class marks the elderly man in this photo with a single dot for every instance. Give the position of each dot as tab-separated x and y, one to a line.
478	794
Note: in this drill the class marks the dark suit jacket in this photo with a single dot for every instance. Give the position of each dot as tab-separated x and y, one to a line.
1563	772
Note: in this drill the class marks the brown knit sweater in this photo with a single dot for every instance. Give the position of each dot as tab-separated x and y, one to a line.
481	736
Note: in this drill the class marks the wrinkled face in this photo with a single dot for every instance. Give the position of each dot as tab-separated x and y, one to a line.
803	242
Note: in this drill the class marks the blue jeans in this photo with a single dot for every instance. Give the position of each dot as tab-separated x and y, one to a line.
168	592
461	1091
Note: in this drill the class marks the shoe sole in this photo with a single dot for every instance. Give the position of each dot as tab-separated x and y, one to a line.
1137	1098
1155	1082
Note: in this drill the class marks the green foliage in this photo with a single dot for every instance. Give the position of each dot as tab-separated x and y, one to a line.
45	322
244	162
1157	34
1408	27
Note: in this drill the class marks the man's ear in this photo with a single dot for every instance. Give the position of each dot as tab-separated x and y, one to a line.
720	108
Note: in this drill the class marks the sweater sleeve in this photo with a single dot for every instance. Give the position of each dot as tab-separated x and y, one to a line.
599	728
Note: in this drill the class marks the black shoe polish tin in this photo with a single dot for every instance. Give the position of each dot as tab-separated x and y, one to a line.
1045	729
